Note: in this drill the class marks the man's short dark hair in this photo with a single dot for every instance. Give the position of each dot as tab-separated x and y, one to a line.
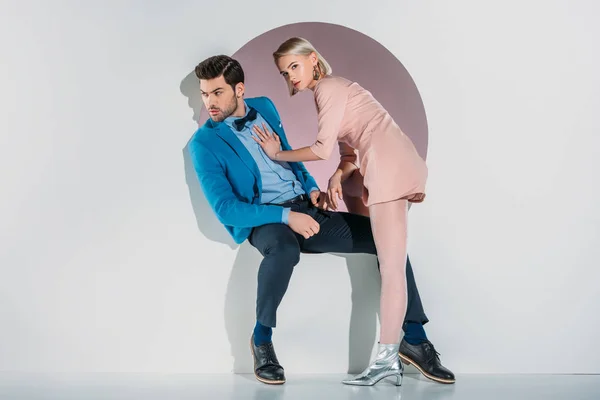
215	66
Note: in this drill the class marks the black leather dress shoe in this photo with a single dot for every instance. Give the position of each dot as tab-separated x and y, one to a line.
424	357
266	366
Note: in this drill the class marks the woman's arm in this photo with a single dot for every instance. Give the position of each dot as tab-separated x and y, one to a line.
271	144
347	165
344	171
299	155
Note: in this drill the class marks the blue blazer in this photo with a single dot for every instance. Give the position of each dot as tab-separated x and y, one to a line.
230	178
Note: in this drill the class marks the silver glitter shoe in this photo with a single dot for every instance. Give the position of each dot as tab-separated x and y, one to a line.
387	364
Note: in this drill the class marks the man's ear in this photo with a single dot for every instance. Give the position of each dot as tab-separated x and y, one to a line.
239	90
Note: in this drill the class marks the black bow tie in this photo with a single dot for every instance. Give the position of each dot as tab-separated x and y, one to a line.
240	123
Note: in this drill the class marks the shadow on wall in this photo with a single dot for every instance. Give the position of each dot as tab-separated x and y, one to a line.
206	219
240	300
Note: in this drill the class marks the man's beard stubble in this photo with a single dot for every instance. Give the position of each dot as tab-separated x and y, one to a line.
226	113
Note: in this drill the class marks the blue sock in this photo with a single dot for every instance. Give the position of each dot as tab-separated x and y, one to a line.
262	334
414	333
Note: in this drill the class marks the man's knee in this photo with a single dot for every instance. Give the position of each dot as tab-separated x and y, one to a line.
284	251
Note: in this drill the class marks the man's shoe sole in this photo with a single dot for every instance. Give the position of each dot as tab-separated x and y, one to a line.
263	380
408	361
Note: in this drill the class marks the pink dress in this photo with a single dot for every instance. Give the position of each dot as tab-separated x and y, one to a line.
389	162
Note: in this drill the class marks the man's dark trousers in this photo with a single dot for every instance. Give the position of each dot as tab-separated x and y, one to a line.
339	233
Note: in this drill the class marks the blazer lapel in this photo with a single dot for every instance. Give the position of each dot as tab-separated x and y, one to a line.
228	136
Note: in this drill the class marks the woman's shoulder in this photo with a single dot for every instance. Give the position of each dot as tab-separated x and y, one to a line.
330	83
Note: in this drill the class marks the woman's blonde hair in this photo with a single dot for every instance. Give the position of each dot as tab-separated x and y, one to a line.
301	47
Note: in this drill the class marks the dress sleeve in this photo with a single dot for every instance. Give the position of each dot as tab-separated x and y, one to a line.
330	98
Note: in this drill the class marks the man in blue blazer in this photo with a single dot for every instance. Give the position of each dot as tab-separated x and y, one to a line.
279	208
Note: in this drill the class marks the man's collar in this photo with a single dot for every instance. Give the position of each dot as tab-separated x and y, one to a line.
229	120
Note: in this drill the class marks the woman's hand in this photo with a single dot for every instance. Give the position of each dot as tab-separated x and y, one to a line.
270	142
334	190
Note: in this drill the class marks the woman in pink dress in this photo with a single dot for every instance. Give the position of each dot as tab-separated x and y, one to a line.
393	174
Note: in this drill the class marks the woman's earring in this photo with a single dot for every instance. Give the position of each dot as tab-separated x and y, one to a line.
316	74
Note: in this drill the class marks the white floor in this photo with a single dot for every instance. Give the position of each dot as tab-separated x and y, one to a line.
300	387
